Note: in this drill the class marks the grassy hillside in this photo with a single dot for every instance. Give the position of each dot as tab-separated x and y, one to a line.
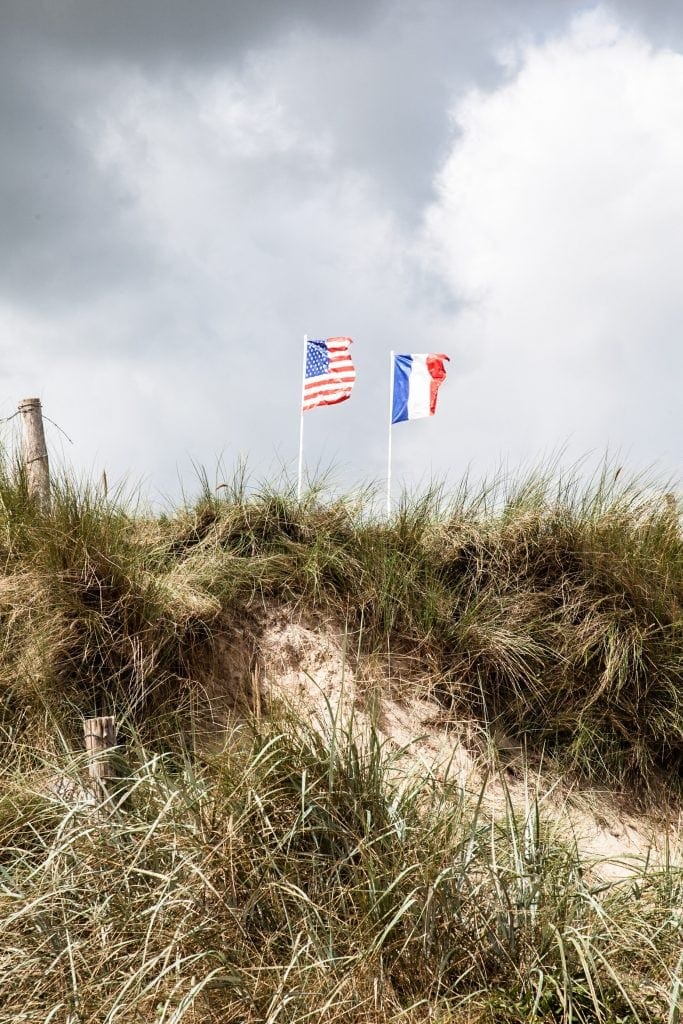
299	876
556	613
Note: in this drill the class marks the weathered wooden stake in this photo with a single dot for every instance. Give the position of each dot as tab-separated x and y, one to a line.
35	452
100	739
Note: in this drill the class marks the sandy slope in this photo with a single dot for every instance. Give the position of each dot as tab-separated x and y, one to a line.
310	667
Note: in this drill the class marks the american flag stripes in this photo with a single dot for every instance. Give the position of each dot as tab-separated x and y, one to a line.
330	373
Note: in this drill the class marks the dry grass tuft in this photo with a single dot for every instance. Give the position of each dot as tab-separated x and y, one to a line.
298	876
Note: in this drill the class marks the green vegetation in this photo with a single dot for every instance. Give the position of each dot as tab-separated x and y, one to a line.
556	612
303	876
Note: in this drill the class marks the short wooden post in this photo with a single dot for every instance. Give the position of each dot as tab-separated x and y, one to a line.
35	452
100	739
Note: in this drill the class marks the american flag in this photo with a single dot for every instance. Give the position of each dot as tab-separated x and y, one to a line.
330	373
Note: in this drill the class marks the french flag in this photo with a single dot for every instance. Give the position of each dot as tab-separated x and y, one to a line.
417	379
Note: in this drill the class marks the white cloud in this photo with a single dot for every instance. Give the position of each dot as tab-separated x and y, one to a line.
559	223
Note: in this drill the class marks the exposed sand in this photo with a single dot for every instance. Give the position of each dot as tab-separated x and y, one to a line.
309	667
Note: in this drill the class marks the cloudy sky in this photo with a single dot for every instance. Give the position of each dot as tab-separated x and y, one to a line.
187	187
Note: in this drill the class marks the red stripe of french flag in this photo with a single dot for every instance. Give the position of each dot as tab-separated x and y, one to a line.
437	373
426	374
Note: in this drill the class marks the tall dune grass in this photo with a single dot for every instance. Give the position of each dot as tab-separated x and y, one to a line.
300	876
552	610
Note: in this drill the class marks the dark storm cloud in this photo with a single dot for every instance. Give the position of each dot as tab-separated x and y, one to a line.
374	75
64	231
380	76
67	234
386	94
148	30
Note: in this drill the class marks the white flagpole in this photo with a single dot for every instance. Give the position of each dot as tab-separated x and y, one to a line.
301	423
391	406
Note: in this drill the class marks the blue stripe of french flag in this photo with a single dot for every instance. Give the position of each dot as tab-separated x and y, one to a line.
417	378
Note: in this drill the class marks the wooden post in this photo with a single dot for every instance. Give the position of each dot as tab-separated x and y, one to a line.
100	738
35	452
